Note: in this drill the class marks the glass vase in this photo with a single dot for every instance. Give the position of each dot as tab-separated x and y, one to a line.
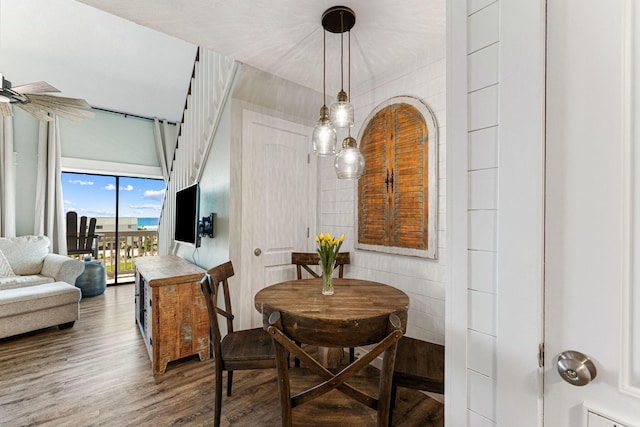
327	280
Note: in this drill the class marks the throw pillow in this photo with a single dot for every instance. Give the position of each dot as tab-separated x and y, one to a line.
5	268
25	254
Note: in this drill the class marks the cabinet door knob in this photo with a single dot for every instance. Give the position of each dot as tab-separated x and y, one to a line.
257	251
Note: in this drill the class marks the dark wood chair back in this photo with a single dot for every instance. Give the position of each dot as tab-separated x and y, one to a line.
420	365
237	350
216	278
307	389
303	260
81	240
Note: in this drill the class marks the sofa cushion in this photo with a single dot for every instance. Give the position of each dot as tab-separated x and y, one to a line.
40	297
23	281
25	253
5	267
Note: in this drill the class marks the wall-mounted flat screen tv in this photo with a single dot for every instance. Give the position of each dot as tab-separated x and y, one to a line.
187	207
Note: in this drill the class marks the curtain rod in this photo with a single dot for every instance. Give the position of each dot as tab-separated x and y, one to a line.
129	114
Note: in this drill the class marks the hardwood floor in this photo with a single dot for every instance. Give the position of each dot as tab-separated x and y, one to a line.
99	374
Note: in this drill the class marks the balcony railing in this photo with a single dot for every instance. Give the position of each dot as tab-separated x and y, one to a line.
121	252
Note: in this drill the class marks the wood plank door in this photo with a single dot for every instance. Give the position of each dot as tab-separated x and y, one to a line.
278	199
592	217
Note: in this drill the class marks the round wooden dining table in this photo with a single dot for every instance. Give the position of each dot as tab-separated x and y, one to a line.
353	299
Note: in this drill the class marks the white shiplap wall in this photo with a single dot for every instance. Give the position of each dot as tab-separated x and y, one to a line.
483	90
423	280
505	211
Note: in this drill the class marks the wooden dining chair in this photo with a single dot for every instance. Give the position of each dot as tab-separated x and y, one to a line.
325	398
304	260
238	350
419	366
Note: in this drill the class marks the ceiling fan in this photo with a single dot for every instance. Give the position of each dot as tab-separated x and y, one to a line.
33	99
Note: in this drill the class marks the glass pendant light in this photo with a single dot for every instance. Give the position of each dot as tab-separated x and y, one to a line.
342	111
349	163
323	138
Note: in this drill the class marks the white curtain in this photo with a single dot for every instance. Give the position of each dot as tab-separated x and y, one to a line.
7	179
49	211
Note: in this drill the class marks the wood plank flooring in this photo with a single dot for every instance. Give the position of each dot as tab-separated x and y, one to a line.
98	374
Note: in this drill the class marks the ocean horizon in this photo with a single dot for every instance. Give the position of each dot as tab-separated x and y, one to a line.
149	223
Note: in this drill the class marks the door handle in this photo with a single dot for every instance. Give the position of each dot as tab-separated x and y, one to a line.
257	251
576	368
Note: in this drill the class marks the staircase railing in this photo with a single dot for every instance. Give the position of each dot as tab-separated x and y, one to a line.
211	83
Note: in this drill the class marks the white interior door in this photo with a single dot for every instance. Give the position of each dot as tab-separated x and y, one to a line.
278	198
591	294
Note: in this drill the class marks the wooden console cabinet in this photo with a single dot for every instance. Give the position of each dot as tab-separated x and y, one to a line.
170	309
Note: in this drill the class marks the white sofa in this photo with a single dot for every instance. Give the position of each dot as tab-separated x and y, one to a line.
36	287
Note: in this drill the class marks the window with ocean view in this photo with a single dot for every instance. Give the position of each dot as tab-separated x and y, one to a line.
127	211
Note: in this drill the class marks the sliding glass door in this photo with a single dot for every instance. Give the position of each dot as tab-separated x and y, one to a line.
126	211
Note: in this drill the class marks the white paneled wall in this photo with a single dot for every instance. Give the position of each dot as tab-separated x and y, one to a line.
496	142
210	84
483	90
423	280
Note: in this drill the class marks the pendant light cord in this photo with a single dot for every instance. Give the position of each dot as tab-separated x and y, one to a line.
349	76
324	67
341	50
349	69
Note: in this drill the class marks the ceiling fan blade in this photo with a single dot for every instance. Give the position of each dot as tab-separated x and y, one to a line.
32	99
37	87
5	109
59	100
53	107
36	112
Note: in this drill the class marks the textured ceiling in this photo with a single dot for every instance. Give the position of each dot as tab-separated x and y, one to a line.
283	37
86	53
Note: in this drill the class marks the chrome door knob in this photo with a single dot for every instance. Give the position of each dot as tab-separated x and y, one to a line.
576	368
257	251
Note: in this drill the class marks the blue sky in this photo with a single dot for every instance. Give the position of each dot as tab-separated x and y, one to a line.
95	195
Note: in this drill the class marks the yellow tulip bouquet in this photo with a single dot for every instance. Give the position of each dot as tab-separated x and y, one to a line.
328	248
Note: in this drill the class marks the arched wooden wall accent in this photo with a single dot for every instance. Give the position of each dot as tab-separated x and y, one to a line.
397	192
